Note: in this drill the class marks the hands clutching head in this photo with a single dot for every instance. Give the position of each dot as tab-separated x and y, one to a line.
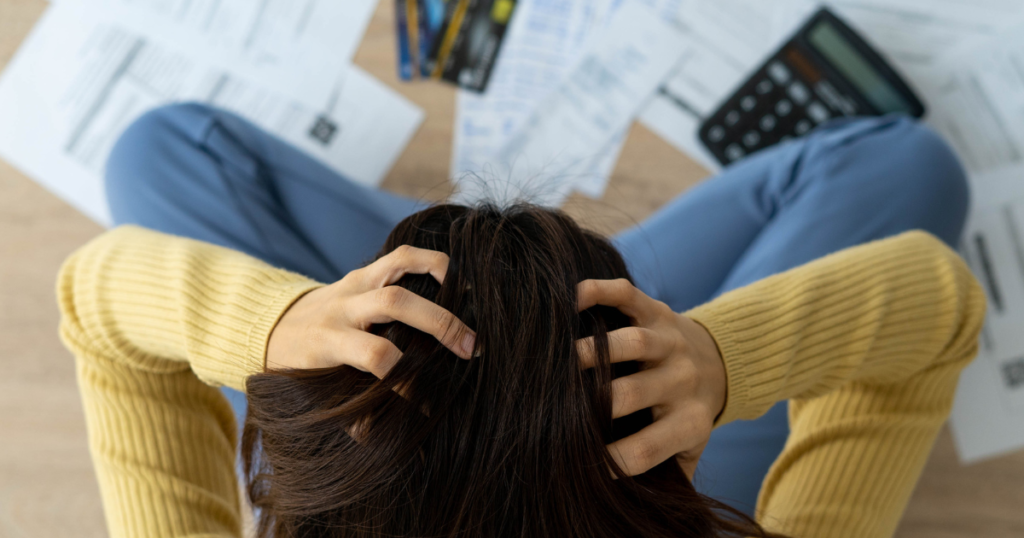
682	377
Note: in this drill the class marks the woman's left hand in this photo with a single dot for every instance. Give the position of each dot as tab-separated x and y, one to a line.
682	379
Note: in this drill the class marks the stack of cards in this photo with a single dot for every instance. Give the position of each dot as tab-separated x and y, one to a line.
453	40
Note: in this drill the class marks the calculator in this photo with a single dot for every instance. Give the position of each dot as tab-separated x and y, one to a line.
825	71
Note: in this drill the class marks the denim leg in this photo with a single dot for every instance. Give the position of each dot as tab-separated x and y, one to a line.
199	172
850	182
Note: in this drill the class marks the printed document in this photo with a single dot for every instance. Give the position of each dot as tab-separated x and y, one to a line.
296	47
81	78
727	40
562	144
546	40
977	100
988	416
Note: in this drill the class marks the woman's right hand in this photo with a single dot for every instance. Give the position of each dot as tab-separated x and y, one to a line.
682	380
327	327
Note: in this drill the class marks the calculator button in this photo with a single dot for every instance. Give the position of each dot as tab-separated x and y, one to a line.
748	103
732	118
779	73
818	112
799	93
716	133
764	87
752	139
768	123
783	107
802	127
734	152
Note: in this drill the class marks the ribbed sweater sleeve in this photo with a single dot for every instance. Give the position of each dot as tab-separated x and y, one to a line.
868	345
155	322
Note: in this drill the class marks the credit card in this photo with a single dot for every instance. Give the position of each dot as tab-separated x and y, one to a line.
470	40
405	63
431	16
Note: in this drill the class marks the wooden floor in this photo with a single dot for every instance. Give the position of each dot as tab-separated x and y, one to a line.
47	488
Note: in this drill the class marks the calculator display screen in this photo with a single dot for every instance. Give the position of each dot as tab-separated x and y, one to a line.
852	64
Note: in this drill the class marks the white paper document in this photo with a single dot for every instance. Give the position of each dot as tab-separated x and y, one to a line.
977	100
988	416
296	47
563	143
727	40
82	77
545	41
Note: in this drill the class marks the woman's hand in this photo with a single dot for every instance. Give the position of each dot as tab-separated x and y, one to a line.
327	327
682	379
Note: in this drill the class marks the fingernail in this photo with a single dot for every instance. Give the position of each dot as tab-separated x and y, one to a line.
468	343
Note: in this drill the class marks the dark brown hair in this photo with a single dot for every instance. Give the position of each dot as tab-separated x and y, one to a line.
509	444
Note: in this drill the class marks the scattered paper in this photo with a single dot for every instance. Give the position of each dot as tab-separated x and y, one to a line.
82	77
977	99
568	135
293	47
988	416
727	40
546	40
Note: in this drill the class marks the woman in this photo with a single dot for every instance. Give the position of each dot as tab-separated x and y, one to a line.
867	343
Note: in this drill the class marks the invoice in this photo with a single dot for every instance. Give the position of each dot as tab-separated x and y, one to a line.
81	78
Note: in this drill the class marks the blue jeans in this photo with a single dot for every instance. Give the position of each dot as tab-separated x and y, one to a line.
199	172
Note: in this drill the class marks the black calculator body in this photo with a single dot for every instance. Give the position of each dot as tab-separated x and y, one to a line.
825	71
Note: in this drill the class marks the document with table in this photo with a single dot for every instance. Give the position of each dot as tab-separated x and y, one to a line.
84	75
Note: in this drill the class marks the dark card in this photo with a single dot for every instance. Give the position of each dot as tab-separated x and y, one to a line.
469	42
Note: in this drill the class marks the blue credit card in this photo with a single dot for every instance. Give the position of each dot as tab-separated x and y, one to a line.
431	19
406	68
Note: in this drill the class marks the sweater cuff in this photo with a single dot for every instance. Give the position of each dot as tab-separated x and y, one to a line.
259	336
740	398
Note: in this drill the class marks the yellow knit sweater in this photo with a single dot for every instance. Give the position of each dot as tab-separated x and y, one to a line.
867	343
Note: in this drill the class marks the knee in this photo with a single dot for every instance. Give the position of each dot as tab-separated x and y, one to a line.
141	162
935	173
906	168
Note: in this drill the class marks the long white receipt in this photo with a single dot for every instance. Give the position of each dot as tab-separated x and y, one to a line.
567	135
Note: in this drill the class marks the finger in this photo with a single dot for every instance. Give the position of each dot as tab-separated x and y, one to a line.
402	261
641	390
618	293
649	447
366	352
394	303
627	344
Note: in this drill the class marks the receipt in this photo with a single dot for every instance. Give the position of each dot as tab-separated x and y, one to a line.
565	139
546	40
